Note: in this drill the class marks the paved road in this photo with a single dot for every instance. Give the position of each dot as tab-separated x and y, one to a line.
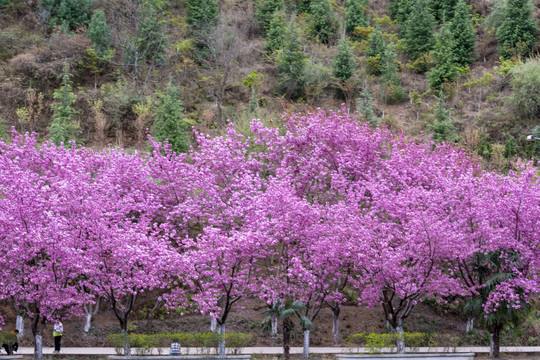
279	350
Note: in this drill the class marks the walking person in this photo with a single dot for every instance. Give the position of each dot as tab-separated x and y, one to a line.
57	333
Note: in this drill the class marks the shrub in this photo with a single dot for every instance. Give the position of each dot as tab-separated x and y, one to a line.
67	14
525	98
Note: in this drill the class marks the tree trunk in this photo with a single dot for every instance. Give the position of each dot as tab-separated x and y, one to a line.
495	345
88	321
19	322
305	351
127	347
38	328
400	342
221	332
213	324
19	325
335	325
470	325
286	339
274	322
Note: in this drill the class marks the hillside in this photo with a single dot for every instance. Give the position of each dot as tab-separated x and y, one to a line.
224	73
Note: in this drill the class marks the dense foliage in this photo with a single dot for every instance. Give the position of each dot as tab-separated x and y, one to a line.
283	217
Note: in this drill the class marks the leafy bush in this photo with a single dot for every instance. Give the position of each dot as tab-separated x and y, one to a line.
525	98
208	342
376	342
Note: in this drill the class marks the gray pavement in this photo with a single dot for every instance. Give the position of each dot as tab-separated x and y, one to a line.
279	350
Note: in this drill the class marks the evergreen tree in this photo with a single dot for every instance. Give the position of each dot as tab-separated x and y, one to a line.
4	4
401	9
518	32
446	69
291	62
99	33
443	10
344	63
265	11
391	89
364	108
418	30
463	34
153	40
276	33
442	129
170	122
67	14
375	51
324	23
356	15
63	128
201	13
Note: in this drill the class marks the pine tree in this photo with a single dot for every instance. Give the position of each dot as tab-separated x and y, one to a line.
265	11
401	9
201	13
375	51
324	23
391	89
443	10
418	30
364	108
463	34
518	32
170	122
344	63
446	68
276	33
356	15
63	128
67	14
153	40
291	62
443	129
99	33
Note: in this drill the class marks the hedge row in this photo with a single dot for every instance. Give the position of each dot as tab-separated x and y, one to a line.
375	342
205	343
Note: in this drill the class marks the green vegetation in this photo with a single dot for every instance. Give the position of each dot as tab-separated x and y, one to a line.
418	30
170	122
63	127
375	51
464	36
355	15
518	31
122	56
100	33
324	22
445	70
67	14
344	63
209	342
291	63
525	99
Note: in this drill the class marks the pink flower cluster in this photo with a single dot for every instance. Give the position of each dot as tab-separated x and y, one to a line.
298	213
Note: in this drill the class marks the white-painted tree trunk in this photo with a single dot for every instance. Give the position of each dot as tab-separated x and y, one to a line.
38	347
221	331
400	343
335	326
491	345
274	321
213	324
470	325
305	350
19	325
127	347
88	322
